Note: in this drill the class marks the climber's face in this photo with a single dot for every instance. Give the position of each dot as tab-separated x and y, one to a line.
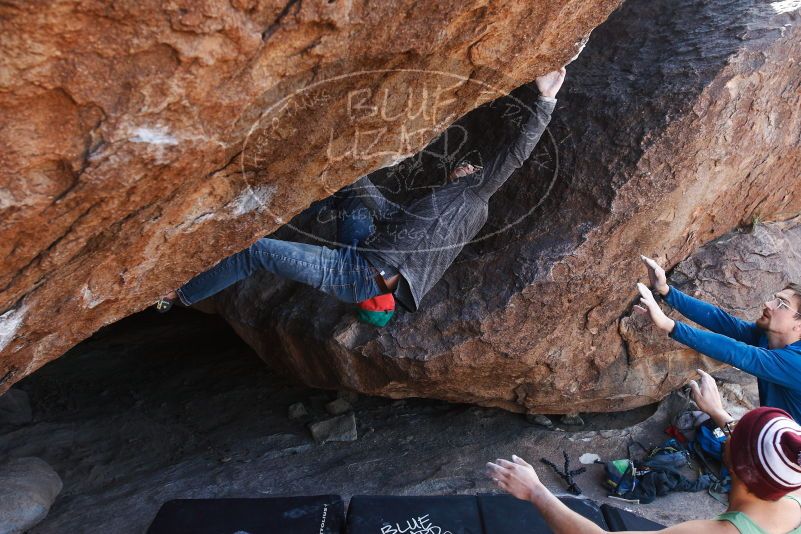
781	314
463	170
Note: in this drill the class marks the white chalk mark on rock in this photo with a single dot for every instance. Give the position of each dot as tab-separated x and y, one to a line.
9	324
253	199
581	44
153	136
89	298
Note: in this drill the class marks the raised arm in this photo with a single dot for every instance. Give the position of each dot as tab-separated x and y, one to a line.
511	157
519	478
712	317
779	366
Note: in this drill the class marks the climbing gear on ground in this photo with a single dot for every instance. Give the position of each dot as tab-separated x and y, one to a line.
655	475
568	474
711	439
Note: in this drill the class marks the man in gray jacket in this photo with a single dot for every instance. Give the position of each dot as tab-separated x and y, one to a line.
388	248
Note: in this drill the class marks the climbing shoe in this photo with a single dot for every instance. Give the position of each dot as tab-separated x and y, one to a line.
163	305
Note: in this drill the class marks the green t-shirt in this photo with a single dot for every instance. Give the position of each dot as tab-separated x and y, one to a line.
745	525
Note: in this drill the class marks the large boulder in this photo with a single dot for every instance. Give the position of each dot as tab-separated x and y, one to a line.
142	142
28	487
678	123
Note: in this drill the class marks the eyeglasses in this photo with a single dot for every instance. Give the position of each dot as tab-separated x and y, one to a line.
782	304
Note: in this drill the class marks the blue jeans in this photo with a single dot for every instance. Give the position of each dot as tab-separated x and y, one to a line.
342	272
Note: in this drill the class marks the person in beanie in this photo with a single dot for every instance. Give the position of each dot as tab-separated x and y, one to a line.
407	249
762	455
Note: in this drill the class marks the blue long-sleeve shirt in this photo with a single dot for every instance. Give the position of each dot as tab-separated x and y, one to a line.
743	345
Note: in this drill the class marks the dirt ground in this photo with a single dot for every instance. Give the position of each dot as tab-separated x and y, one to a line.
161	407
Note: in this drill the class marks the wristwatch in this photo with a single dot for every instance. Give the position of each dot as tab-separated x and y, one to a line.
728	428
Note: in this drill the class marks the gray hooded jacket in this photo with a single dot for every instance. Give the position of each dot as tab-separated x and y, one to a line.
421	240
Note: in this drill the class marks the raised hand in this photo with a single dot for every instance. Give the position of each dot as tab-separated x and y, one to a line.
656	275
707	397
550	83
649	306
517	477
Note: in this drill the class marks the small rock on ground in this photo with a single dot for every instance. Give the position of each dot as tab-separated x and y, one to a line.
589	458
572	419
28	487
350	396
297	410
338	407
539	419
341	428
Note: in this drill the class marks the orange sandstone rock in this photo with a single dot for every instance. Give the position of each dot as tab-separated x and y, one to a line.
679	123
138	144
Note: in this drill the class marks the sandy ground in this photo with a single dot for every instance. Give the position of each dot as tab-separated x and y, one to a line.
155	408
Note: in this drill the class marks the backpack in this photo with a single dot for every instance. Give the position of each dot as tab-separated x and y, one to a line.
710	439
621	476
657	474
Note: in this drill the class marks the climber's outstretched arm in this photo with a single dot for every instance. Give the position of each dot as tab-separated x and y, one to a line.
510	158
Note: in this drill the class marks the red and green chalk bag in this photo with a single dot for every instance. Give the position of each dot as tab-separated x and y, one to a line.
377	311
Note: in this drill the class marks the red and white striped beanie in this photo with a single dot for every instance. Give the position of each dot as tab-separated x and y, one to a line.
766	452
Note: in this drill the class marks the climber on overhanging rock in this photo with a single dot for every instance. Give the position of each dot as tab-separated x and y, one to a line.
769	348
388	249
